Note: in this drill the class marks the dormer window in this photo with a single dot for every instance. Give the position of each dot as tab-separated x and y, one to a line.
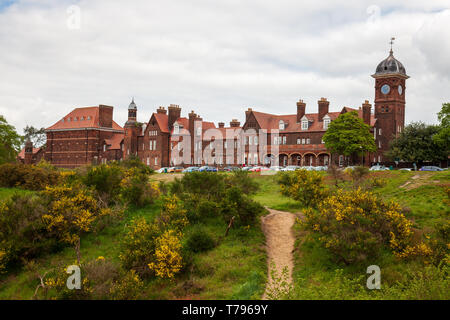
199	131
326	122
305	123
281	125
176	128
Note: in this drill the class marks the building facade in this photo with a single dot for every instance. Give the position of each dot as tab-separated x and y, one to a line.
89	135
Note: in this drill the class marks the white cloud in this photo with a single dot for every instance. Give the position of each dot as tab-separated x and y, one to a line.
217	58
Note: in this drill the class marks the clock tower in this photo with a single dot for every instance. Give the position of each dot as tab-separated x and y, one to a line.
390	78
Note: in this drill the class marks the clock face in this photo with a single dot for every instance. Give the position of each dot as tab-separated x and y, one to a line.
385	89
400	90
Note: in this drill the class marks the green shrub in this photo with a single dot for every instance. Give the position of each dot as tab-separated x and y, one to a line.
238	205
128	287
26	176
137	189
105	179
200	240
243	181
23	234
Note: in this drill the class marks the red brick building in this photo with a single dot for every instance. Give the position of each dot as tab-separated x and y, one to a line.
84	136
89	135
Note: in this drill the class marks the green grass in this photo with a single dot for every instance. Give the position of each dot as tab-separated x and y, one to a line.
6	193
269	194
236	267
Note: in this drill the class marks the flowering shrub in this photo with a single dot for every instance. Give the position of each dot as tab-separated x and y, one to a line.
129	287
307	187
168	259
376	182
71	213
355	225
138	246
173	215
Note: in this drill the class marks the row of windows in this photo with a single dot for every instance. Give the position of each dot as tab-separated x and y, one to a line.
153	133
76	119
155	161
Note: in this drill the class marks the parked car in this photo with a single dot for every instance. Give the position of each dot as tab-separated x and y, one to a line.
258	169
308	168
246	168
406	169
276	168
207	169
430	168
378	168
291	168
321	168
175	169
162	170
190	169
231	169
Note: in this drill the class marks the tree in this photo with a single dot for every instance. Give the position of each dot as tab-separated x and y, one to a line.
37	136
10	141
442	138
416	144
348	135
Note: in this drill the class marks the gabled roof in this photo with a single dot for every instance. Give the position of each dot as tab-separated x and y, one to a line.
163	121
87	117
21	154
115	141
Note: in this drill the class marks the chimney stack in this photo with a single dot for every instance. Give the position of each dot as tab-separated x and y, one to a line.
301	109
367	110
174	114
161	110
221	125
323	108
235	124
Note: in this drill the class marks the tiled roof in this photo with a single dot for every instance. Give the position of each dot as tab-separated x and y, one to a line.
115	141
272	121
163	121
87	117
21	154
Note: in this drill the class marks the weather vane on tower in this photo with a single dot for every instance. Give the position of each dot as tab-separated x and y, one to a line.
392	43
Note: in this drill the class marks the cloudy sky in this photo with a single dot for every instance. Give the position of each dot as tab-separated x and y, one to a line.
215	57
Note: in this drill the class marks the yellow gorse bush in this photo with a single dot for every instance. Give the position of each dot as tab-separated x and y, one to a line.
168	260
354	225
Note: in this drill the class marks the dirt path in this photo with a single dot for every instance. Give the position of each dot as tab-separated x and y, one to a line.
417	181
277	227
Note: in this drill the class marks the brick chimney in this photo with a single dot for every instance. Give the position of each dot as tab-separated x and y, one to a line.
235	124
174	114
323	107
221	125
367	110
105	116
161	110
301	109
247	113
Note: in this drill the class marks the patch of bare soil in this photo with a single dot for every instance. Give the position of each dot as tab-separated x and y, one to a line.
417	181
167	177
277	227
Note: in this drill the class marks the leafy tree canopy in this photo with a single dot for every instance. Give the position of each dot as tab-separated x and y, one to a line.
37	136
349	135
10	141
442	138
416	144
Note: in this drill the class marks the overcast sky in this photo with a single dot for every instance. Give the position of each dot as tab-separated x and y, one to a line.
215	57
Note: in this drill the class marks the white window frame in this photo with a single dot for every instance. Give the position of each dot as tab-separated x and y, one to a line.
305	124
281	125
